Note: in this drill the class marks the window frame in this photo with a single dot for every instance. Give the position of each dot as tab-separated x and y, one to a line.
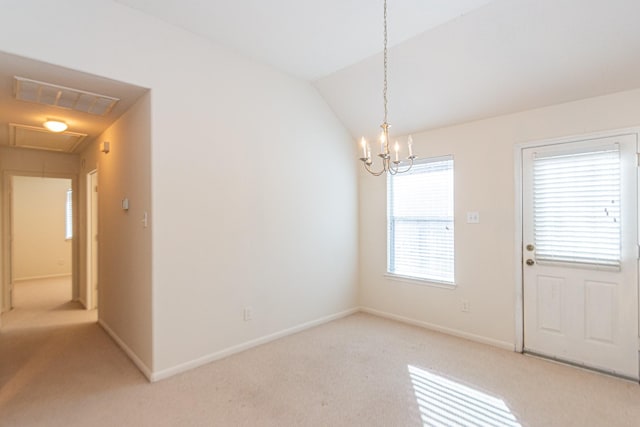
390	237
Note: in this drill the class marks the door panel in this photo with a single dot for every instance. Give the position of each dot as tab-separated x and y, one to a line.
581	290
549	303
601	306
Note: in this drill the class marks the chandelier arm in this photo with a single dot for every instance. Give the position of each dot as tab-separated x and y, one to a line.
407	169
393	168
368	168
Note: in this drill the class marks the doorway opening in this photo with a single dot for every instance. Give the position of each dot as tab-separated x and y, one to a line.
42	254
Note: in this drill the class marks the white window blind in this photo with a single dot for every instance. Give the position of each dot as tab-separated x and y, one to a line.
420	221
68	223
576	204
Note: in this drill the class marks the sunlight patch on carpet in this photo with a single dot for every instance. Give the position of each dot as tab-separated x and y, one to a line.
443	402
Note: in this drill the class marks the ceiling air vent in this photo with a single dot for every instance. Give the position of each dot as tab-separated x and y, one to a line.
62	97
25	136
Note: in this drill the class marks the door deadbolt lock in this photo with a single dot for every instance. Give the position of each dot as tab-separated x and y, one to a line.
530	261
530	247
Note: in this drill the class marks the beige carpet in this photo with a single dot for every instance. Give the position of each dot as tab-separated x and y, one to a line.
44	303
356	371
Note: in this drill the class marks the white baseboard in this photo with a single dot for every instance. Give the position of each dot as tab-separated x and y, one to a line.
132	355
46	276
82	302
166	373
183	367
461	334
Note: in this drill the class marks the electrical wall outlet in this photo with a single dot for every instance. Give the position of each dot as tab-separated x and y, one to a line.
247	314
465	306
473	217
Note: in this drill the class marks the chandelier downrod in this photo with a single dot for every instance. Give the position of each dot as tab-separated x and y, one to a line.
384	87
388	165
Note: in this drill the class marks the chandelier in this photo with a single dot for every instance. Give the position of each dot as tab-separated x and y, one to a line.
388	165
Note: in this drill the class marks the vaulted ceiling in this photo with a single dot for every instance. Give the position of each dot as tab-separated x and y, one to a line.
451	61
308	39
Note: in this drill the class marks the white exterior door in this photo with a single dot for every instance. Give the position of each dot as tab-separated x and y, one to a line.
580	254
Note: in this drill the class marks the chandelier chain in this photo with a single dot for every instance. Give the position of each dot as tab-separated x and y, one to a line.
391	162
384	90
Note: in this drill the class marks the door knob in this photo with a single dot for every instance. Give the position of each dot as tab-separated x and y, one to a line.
530	261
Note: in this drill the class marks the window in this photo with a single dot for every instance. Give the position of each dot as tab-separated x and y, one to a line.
420	221
576	207
68	217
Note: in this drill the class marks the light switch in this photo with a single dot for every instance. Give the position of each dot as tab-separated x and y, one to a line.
473	217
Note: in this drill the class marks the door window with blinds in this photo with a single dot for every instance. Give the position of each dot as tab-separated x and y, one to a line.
420	222
576	207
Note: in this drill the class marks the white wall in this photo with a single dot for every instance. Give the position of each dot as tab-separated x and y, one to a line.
39	213
25	162
124	244
484	181
254	189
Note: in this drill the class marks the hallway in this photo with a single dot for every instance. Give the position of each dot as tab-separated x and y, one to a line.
53	354
45	303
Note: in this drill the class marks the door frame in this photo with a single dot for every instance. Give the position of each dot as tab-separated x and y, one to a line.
7	231
91	297
518	175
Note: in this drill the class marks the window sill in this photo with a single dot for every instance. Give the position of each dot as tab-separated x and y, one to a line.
420	282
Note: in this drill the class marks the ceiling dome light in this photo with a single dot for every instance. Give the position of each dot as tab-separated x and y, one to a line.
55	125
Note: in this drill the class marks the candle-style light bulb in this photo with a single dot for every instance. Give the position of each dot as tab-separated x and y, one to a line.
410	145
397	148
363	144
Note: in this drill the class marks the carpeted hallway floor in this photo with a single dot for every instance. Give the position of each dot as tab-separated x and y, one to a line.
360	370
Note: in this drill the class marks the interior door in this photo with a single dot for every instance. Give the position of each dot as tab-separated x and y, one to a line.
580	254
